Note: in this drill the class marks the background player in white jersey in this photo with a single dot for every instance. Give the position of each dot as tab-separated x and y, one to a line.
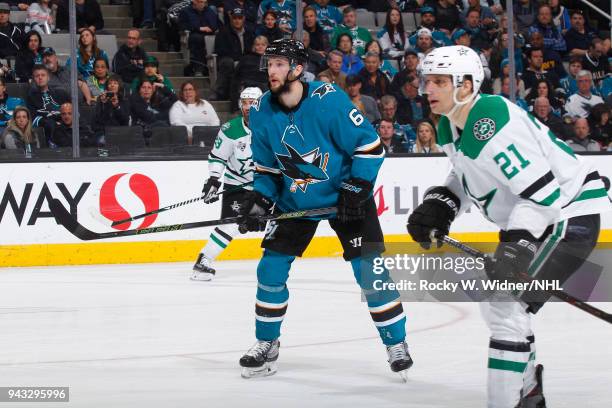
527	182
231	155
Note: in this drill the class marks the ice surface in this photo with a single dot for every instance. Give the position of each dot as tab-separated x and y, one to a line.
146	336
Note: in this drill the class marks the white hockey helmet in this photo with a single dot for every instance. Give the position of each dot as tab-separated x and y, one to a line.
457	61
251	92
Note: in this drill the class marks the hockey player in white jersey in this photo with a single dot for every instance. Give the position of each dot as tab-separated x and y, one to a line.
527	182
231	158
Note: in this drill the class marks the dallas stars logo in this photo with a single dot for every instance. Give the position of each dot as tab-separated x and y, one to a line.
484	129
303	169
463	51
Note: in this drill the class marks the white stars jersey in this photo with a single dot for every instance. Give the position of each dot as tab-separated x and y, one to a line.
516	171
232	154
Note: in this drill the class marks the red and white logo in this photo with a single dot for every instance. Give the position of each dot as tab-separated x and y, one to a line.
112	198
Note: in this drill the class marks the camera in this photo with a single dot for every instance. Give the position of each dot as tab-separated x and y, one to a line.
110	94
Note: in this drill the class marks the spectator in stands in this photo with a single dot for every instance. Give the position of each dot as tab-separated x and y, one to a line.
403	133
366	104
319	40
360	36
250	8
411	62
88	15
200	20
44	102
150	107
269	28
505	92
569	84
553	39
474	27
285	13
62	134
505	72
29	55
323	77
426	139
190	110
18	132
329	16
525	14
334	69
10	34
579	104
543	89
411	107
374	82
391	143
601	127
461	37
561	17
19	5
493	5
386	65
551	59
581	141
128	62
248	72
143	12
579	37
393	38
543	111
59	77
428	20
99	80
231	44
40	17
447	16
424	43
151	73
596	61
500	53
112	109
315	61
351	63
167	24
7	104
485	14
87	53
534	72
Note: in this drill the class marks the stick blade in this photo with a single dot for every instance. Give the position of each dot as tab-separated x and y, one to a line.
63	216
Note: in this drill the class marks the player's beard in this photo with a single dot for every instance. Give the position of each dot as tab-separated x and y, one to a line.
284	88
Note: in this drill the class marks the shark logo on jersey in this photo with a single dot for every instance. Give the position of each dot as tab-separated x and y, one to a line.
323	90
484	129
303	169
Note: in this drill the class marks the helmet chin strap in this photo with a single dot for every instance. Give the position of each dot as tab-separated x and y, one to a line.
459	103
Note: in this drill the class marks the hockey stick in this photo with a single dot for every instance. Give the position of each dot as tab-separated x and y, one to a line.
63	217
182	203
566	297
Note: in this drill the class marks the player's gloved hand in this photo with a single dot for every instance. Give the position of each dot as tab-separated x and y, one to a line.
512	256
354	193
252	208
437	211
210	190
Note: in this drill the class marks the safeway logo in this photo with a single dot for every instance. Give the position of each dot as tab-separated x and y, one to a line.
142	186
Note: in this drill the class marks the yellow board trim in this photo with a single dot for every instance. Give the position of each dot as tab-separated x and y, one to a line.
183	251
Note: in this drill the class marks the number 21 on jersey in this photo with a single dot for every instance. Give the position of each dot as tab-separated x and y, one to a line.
508	164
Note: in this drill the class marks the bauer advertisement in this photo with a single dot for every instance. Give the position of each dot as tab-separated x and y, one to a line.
98	194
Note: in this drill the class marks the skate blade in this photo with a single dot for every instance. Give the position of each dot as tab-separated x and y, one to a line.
201	276
255	372
403	375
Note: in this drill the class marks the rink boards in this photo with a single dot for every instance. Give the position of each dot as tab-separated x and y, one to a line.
101	192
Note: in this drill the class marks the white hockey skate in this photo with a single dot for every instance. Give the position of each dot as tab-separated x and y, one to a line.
202	271
399	359
260	360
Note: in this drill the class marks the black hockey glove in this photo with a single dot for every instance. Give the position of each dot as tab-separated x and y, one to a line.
210	190
437	211
512	256
354	193
252	208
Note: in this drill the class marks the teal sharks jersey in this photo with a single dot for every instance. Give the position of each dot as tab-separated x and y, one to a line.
302	155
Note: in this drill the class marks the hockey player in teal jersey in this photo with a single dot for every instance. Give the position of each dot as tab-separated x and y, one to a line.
312	148
546	201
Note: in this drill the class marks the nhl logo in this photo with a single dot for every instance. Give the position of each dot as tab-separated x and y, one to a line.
484	129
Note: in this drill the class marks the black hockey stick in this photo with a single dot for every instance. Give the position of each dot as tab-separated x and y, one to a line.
182	203
566	297
64	217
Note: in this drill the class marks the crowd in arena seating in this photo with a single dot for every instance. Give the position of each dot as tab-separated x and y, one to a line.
563	63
